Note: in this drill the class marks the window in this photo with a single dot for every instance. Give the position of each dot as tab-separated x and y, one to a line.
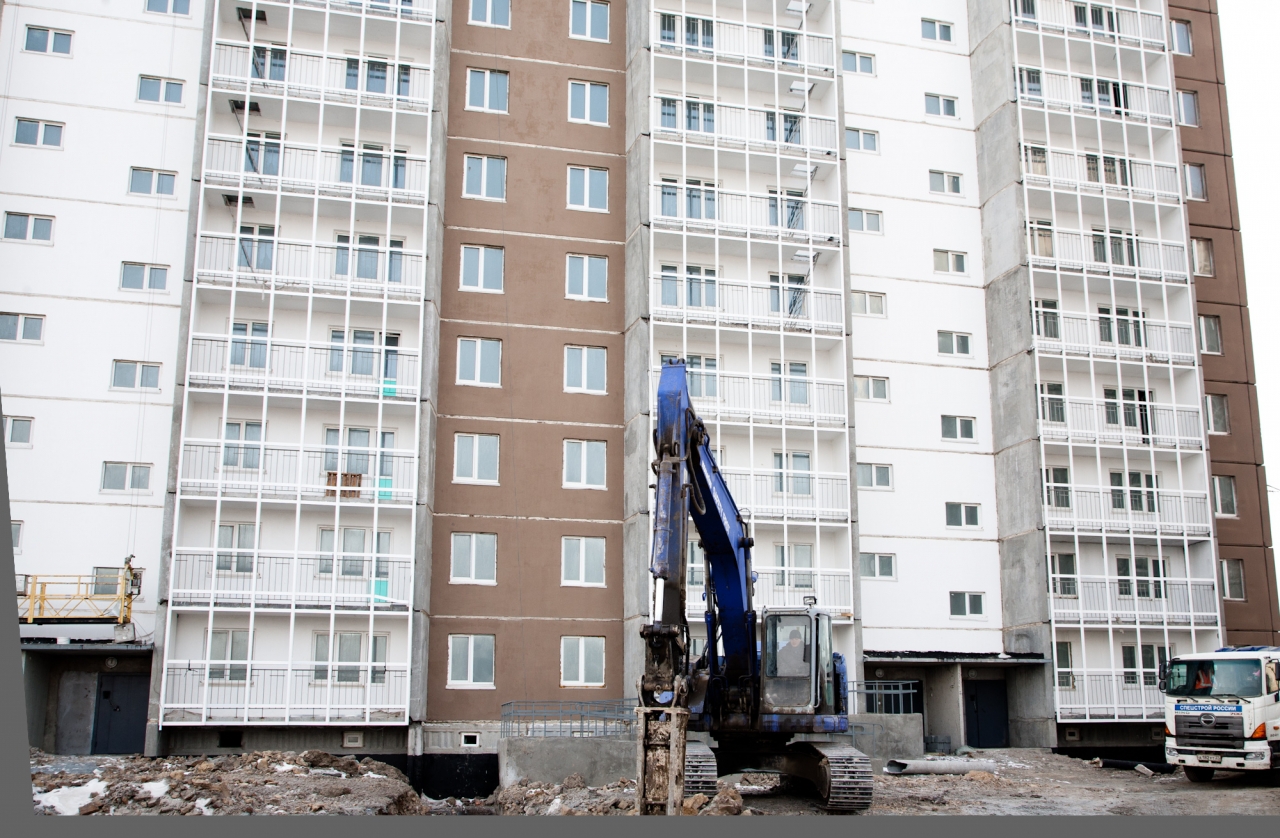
932	30
1181	36
1232	578
141	181
1210	334
485	178
177	7
589	102
793	388
582	661
236	455
1224	496
487	91
480	362
582	562
1189	108
1153	657
855	139
957	427
1063	568
135	277
236	543
471	661
122	477
586	277
584	369
962	515
1215	414
946	182
1202	256
867	387
584	464
859	62
877	565
15	535
134	374
953	343
947	261
966	604
47	40
228	645
347	657
1196	189
865	302
24	327
17	226
482	268
39	133
474	558
355	557
475	458
1062	660
589	20
864	221
17	431
151	89
588	189
875	476
491	13
935	105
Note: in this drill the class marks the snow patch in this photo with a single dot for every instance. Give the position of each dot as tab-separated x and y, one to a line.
376	776
556	807
68	799
329	772
203	805
286	767
157	788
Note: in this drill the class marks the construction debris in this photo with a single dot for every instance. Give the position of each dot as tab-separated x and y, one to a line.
945	765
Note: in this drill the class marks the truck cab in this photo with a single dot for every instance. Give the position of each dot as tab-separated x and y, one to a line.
1222	710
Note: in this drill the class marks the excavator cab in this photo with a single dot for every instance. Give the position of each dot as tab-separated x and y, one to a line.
797	668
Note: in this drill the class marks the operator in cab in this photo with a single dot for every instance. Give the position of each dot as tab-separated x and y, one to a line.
793	657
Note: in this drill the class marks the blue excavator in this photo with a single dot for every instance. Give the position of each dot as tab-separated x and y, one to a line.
768	689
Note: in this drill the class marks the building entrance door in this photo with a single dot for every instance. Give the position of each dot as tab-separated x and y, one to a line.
120	718
986	714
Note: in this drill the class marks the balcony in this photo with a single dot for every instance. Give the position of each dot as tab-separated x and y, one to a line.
277	71
296	473
1101	97
405	9
714	123
1139	511
1121	255
1099	174
735	43
710	211
265	579
1122	694
676	299
1120	423
798	495
787	587
248	692
1108	23
310	170
1099	600
318	369
732	397
277	264
1124	338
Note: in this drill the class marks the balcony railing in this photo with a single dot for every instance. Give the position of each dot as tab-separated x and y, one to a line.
1100	173
200	691
737	213
296	367
680	299
1155	511
1099	20
697	121
787	587
1127	338
406	9
1121	254
703	37
1120	422
803	495
735	397
271	164
297	473
304	266
263	578
1104	97
1090	694
1145	600
373	82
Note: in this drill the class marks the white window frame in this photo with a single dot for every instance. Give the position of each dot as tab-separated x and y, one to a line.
138	367
10	424
591	7
949	179
473	541
483	256
1201	247
1175	26
15	532
22	320
877	564
1224	580
1187	169
1216	482
475	459
582	644
956	339
1194	97
964	515
29	228
153	182
41	125
470	683
1208	414
870	388
587	261
959	420
587	352
957	262
938	28
968	605
866	297
862	147
1203	322
129	478
585	446
871	222
49	41
587	172
942	106
860	60
170	7
486	90
489	7
876	472
165	84
479	346
587	87
579	543
485	160
148	276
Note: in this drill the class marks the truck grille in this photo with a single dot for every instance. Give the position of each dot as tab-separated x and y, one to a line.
1223	732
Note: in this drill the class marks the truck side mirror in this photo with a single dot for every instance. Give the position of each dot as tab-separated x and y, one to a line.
1162	684
1164	673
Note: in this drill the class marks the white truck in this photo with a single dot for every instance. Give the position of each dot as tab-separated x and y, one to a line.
1222	710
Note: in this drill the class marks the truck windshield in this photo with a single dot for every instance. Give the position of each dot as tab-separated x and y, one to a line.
1241	678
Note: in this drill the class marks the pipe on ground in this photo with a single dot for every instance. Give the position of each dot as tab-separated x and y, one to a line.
938	766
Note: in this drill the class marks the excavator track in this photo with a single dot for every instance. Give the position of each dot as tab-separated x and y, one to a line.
700	772
849	779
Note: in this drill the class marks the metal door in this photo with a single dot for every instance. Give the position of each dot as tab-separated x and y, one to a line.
986	714
120	719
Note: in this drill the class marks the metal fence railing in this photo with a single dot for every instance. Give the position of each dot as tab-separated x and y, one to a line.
612	717
891	697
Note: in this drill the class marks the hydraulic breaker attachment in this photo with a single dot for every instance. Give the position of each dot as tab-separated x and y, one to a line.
660	772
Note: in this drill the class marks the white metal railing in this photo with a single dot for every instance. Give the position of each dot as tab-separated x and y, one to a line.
701	300
297	472
297	366
771	215
781	493
786	587
271	164
201	691
1100	19
1112	421
304	266
1099	172
725	40
739	397
422	10
1123	337
269	578
1156	601
1113	252
1095	509
1087	94
1115	694
700	121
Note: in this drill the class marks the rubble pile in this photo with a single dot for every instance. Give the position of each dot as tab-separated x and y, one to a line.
575	797
261	783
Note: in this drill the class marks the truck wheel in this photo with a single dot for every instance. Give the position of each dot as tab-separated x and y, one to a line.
1197	774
